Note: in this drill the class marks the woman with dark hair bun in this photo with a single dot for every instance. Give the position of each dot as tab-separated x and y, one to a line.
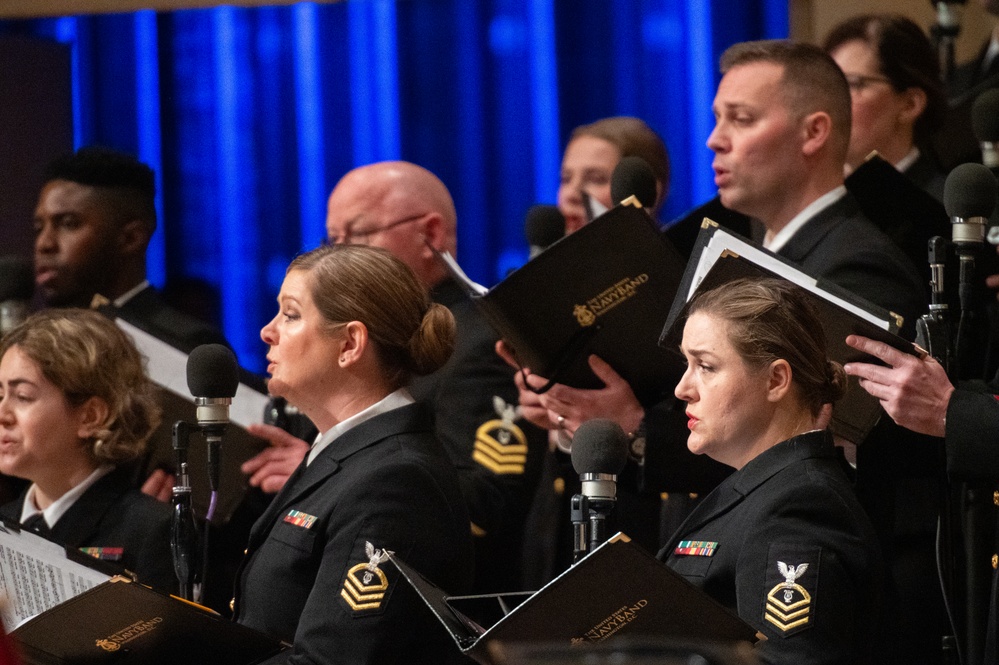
353	326
75	408
898	98
783	541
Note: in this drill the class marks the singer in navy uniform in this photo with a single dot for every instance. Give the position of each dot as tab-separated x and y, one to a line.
407	210
75	405
353	326
783	541
93	222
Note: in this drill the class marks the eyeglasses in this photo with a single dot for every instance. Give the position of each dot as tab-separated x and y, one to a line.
361	237
859	82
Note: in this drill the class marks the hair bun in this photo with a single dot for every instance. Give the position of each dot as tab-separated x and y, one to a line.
431	345
836	381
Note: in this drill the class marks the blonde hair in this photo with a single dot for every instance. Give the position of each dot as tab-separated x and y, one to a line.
84	354
411	334
632	137
771	319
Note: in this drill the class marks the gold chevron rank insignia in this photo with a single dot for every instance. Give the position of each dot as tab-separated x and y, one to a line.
789	606
365	585
500	445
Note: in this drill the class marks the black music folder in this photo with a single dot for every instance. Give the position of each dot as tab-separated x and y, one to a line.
721	256
125	623
603	290
618	589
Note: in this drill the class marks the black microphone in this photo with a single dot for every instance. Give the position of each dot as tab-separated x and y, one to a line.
970	193
17	285
985	124
212	378
599	453
634	177
543	225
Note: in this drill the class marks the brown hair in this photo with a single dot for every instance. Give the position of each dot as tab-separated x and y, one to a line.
812	81
86	355
411	334
632	136
772	319
905	57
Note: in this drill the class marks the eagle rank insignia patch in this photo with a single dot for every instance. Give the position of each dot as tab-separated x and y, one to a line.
500	444
792	578
365	585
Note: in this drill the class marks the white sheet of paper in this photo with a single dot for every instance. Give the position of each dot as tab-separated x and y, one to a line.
35	575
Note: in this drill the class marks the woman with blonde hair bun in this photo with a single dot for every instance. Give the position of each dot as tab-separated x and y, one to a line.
353	326
783	541
75	408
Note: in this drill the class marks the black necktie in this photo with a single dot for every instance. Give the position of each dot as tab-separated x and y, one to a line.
37	524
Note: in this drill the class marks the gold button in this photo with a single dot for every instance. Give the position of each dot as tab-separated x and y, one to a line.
995	561
995	497
232	605
246	551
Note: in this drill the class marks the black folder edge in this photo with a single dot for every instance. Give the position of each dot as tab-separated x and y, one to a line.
849	427
473	640
578	343
36	653
710	228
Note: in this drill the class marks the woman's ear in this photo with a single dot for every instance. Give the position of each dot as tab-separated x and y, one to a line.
779	380
915	104
354	342
93	417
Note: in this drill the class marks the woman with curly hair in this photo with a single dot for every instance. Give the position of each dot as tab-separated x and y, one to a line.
75	408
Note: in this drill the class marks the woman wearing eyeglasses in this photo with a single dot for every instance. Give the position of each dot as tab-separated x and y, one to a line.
898	99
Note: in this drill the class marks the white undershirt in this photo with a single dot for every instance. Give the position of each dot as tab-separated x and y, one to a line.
906	162
394	400
59	507
782	237
131	293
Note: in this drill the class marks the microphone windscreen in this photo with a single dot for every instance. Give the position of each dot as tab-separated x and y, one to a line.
599	446
212	371
985	116
970	191
17	278
634	177
543	225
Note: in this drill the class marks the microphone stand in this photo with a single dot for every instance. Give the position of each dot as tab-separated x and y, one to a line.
944	33
589	515
579	512
183	529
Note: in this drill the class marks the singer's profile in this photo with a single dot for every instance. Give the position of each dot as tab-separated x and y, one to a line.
783	541
353	325
76	408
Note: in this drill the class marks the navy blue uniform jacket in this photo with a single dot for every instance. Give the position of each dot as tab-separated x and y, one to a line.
313	575
746	544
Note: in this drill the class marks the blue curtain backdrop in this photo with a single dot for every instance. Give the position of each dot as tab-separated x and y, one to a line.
250	116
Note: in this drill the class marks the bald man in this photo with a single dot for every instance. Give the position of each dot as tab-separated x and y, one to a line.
407	210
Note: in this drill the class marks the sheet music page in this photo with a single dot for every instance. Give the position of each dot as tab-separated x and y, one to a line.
460	275
167	367
721	242
35	575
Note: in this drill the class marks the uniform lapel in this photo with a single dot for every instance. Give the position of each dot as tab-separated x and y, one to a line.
742	483
306	478
84	517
